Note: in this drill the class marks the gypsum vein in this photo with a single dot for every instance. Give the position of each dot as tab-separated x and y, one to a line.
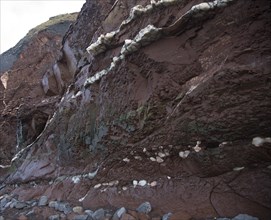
108	40
150	34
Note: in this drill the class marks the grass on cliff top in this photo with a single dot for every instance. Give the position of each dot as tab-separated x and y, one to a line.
53	21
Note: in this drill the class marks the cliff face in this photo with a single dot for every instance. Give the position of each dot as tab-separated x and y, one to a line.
170	92
26	102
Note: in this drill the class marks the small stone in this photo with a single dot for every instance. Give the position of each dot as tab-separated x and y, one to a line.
97	186
54	217
160	154
43	201
20	205
76	179
8	204
184	154
144	208
153	183
197	149
81	217
135	182
118	214
142	183
244	217
124	188
112	183
159	160
169	177
258	141
166	216
3	202
152	159
138	157
64	207
89	212
13	203
144	149
238	168
32	212
78	209
53	204
99	214
127	160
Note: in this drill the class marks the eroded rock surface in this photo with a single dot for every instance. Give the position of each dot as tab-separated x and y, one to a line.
171	123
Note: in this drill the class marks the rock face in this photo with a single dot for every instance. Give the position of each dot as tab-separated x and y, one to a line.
25	105
143	83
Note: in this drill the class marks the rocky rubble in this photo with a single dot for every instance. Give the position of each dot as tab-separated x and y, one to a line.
62	210
152	110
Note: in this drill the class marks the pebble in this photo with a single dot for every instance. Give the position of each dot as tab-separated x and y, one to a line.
138	157
184	154
152	159
89	212
197	149
97	186
144	208
160	154
166	216
8	204
118	214
159	160
78	209
153	183
54	217
258	141
142	182
112	183
20	205
238	168
43	201
135	182
124	188
64	207
244	217
81	217
127	160
53	204
99	214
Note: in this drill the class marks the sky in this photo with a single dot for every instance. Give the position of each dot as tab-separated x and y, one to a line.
17	17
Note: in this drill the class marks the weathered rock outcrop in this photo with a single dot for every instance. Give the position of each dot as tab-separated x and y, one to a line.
165	103
25	105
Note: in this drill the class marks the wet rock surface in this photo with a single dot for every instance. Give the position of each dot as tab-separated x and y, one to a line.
170	120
